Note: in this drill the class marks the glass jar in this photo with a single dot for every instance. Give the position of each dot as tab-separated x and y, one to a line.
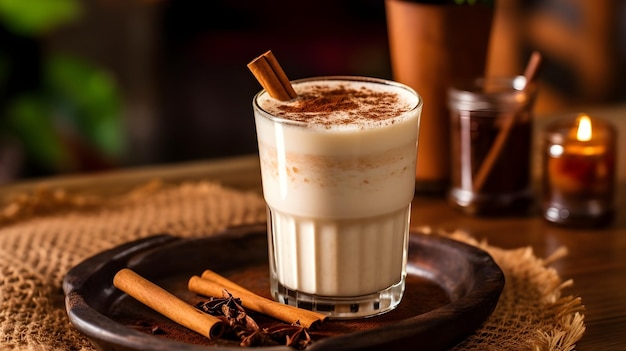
491	138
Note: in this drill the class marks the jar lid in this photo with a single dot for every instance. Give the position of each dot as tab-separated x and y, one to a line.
493	93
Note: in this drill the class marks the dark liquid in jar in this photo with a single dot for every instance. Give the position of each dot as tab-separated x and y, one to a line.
507	188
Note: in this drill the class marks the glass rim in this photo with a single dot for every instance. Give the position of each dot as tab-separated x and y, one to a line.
348	78
505	91
559	130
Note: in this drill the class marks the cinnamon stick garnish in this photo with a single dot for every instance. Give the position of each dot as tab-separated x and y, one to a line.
167	304
496	149
271	76
213	284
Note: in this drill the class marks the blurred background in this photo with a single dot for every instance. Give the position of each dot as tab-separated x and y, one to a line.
90	86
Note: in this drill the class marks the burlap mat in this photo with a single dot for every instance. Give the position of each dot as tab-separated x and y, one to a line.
45	233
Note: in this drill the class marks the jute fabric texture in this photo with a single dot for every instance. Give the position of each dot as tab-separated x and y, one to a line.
45	233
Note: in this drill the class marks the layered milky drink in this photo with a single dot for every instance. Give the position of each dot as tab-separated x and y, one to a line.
338	170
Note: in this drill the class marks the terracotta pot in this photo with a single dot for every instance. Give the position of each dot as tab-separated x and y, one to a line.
432	46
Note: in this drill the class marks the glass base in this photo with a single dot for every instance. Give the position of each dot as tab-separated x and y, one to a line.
578	218
342	307
481	204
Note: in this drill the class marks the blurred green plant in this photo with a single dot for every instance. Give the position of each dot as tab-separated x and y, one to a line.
88	96
33	17
72	120
78	105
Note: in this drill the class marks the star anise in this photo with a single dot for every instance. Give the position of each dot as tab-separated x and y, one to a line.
293	335
257	338
229	307
241	326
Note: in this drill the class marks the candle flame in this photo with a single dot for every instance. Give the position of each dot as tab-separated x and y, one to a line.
584	128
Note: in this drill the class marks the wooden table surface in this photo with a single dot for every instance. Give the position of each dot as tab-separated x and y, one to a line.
596	260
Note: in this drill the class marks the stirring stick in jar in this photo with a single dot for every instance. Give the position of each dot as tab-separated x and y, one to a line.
496	149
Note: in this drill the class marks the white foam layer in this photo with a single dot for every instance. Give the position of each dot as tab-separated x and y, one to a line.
368	105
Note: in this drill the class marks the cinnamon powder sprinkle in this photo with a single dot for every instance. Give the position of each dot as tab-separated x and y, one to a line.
318	102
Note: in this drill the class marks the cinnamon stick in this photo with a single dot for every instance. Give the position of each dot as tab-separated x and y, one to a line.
496	149
212	284
271	76
167	304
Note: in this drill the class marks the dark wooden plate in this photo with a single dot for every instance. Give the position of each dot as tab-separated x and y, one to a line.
451	290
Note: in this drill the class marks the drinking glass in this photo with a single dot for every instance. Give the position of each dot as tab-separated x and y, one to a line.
338	182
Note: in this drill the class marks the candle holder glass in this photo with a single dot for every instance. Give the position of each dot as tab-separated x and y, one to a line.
579	156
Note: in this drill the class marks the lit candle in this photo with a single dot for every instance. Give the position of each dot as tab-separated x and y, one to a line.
579	172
